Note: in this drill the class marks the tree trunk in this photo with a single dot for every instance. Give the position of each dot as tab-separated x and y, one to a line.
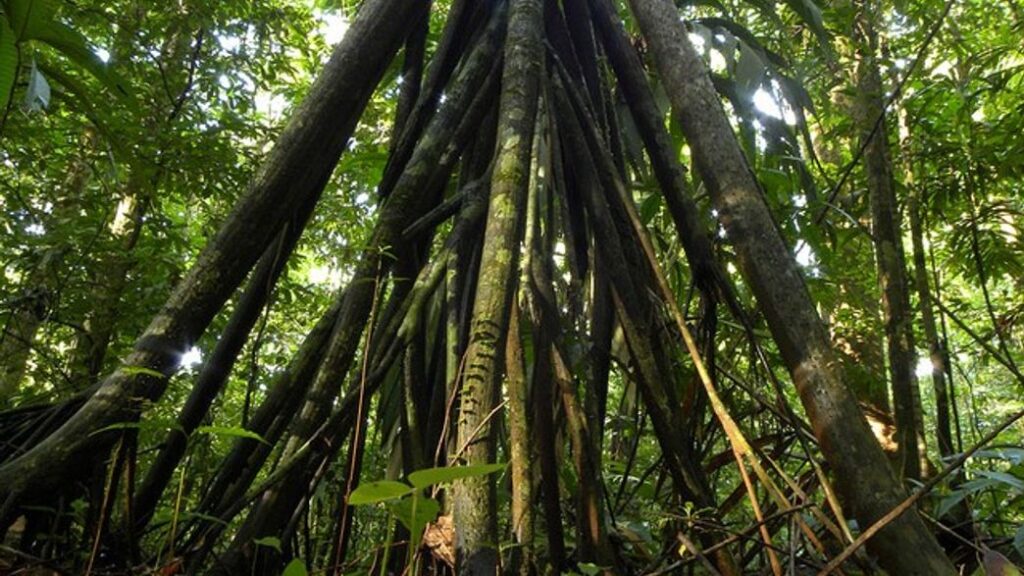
519	451
474	499
863	475
943	431
671	175
885	229
28	311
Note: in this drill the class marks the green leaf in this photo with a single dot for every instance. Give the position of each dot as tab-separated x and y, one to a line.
948	502
29	18
811	15
137	370
1004	478
73	45
649	208
1018	540
442	475
140	425
233	431
589	568
1012	455
8	62
269	542
295	568
379	491
426	511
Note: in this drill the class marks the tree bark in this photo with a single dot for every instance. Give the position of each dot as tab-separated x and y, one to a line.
863	475
519	450
28	311
943	431
889	255
474	499
670	173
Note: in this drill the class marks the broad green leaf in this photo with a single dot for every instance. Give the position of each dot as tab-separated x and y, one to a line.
442	475
795	93
73	45
948	502
811	15
295	568
1018	540
29	18
379	491
426	511
1004	478
649	208
268	542
1012	455
8	62
233	431
744	36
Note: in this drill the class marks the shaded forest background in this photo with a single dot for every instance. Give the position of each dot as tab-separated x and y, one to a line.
537	286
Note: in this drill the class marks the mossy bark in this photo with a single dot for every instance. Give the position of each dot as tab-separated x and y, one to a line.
474	499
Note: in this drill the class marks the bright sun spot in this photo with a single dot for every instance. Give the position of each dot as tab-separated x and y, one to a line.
326	276
924	367
333	27
192	358
804	255
319	274
698	42
102	54
767	104
229	42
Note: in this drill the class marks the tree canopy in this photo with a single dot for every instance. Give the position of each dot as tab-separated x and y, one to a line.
520	286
